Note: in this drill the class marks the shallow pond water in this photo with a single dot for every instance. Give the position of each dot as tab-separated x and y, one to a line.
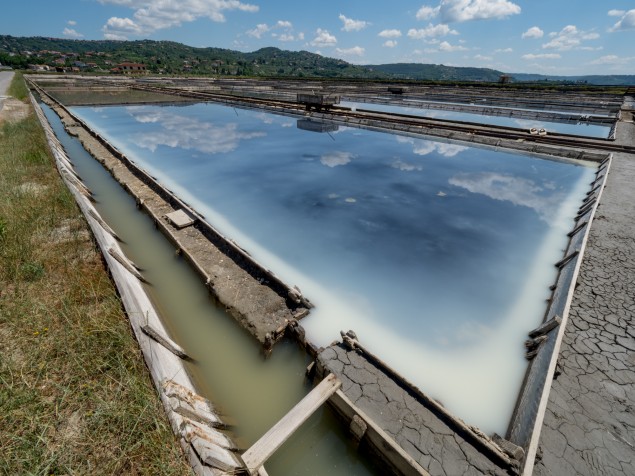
438	255
576	128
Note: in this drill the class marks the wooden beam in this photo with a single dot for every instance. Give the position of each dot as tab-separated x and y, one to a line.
262	449
165	342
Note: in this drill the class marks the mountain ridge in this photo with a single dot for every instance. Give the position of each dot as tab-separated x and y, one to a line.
170	57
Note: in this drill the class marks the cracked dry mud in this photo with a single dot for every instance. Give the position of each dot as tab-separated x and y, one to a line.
435	445
589	427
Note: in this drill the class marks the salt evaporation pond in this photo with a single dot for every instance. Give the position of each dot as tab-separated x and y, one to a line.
438	255
575	128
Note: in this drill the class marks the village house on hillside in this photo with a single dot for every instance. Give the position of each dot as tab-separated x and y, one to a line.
129	68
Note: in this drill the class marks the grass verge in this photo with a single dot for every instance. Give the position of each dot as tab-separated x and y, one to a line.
17	88
75	395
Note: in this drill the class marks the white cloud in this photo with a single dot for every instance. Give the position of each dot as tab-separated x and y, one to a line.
445	46
613	60
260	30
390	43
569	38
352	25
114	36
323	38
426	12
504	50
71	33
431	31
119	28
533	32
390	33
288	34
483	58
150	15
71	22
541	56
336	158
627	22
608	59
616	13
354	51
467	10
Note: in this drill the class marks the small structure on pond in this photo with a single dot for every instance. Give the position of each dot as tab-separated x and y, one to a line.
317	101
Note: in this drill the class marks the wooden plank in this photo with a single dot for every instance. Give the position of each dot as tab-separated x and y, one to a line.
126	263
165	342
262	450
545	327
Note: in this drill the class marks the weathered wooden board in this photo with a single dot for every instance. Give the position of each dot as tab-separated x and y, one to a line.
262	450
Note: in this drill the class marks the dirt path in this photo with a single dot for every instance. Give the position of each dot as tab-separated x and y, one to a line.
11	109
5	80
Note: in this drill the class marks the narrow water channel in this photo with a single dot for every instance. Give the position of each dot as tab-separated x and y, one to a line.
230	369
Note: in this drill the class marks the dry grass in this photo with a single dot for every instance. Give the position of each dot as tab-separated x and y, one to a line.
75	395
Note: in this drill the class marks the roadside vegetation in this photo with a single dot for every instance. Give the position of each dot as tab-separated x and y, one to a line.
17	88
75	395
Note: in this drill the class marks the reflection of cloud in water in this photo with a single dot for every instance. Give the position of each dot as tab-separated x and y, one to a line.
336	158
272	119
519	191
266	118
189	133
425	147
467	333
529	124
406	167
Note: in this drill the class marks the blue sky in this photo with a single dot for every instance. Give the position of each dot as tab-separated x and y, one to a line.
565	37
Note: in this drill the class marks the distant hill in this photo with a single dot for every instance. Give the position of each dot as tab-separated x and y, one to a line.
436	72
608	80
169	57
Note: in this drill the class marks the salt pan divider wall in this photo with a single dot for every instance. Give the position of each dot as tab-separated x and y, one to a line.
545	341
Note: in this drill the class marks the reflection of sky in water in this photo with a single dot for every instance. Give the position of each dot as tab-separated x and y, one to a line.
438	255
581	129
